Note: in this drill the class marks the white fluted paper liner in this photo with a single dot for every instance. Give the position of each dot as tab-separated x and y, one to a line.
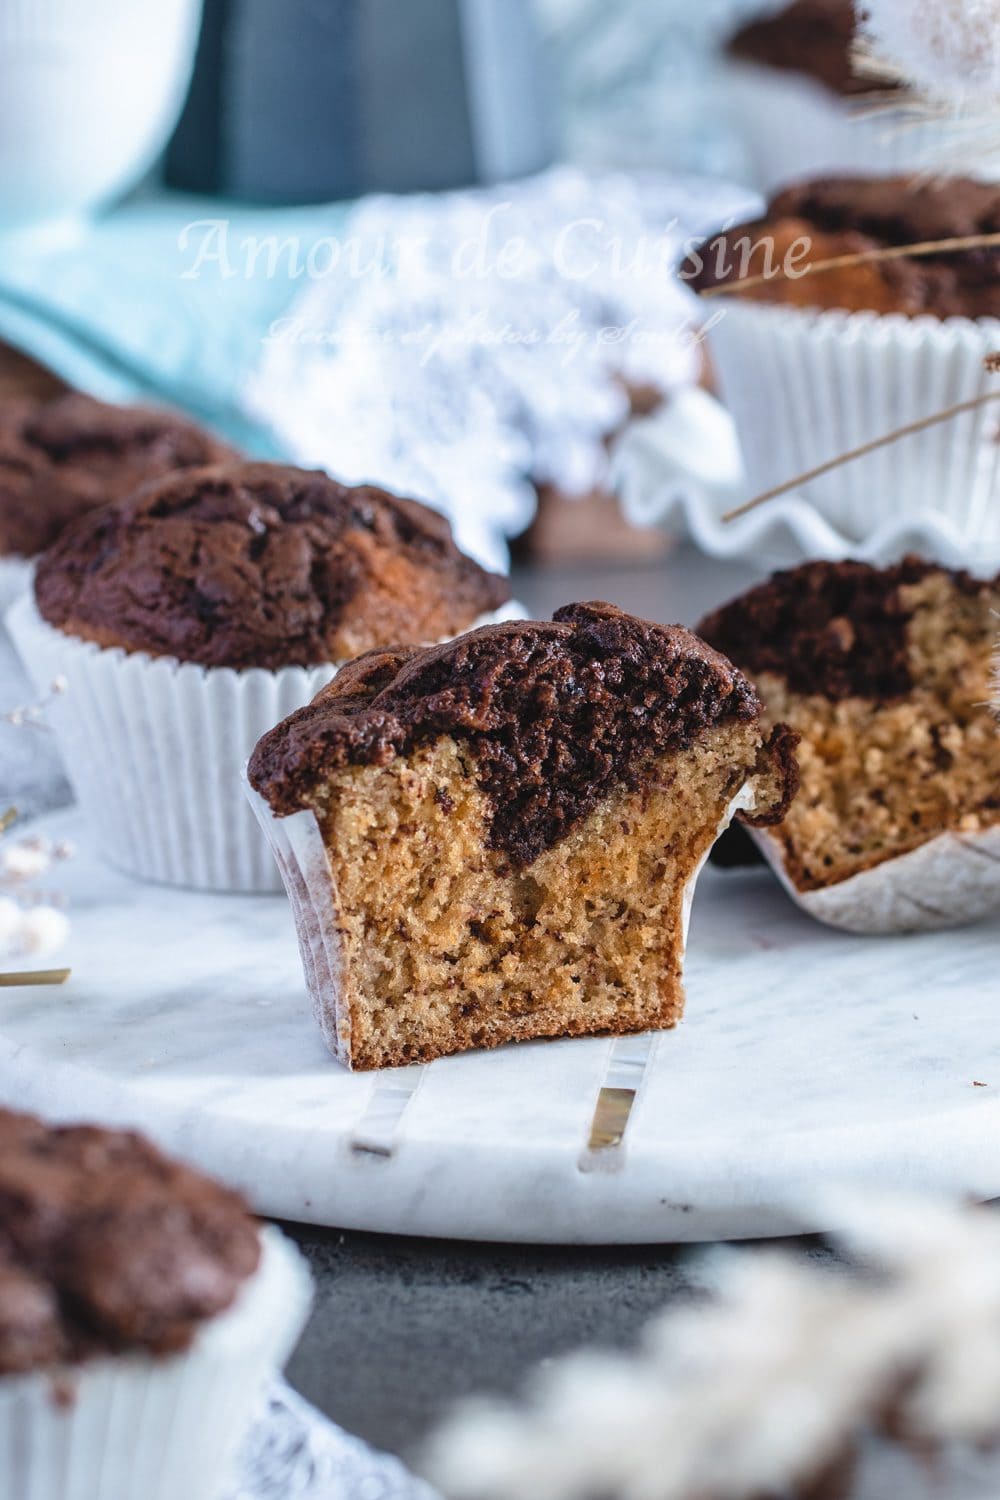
807	386
301	856
154	749
15	578
950	881
680	474
793	127
137	1428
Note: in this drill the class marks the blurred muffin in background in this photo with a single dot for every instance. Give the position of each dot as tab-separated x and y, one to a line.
810	37
830	217
816	363
141	1310
63	456
803	104
193	615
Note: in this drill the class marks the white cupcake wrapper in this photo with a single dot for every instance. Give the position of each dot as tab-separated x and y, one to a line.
137	1428
301	856
155	748
950	881
793	127
805	387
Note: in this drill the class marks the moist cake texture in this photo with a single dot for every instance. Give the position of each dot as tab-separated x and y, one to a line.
813	37
259	565
109	1247
511	822
63	457
884	674
849	215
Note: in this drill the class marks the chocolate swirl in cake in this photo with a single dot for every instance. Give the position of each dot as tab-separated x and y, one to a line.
107	1246
555	715
836	629
258	565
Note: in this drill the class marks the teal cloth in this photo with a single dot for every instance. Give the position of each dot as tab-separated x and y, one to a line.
110	311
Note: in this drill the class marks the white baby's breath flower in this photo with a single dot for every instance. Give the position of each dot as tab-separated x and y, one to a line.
44	929
26	860
30	931
771	1383
948	49
11	915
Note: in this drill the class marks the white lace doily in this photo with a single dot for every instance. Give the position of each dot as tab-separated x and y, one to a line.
479	339
293	1453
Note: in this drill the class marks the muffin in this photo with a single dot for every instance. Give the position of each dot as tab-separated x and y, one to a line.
498	838
802	105
62	457
837	216
813	38
194	614
885	676
141	1308
818	363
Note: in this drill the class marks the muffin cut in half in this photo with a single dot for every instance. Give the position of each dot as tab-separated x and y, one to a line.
497	838
885	676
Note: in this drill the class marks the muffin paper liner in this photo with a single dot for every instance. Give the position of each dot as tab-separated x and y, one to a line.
138	1428
298	848
805	387
301	856
950	881
154	749
793	127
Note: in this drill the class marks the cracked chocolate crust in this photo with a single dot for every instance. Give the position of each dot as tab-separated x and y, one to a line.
258	565
63	457
107	1246
554	714
838	629
846	215
813	37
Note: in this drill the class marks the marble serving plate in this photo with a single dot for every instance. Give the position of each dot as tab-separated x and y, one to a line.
808	1057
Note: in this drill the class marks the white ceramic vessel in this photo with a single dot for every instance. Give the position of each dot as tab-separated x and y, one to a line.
89	94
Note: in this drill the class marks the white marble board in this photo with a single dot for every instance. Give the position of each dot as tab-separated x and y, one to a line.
807	1058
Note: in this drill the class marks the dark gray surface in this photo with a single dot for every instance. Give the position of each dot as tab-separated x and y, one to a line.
403	1327
678	590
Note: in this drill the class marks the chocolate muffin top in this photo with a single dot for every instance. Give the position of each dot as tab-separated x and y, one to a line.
63	457
555	715
107	1246
257	565
836	629
833	216
813	37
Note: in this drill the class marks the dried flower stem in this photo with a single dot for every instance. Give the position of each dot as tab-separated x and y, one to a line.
858	258
12	979
910	430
